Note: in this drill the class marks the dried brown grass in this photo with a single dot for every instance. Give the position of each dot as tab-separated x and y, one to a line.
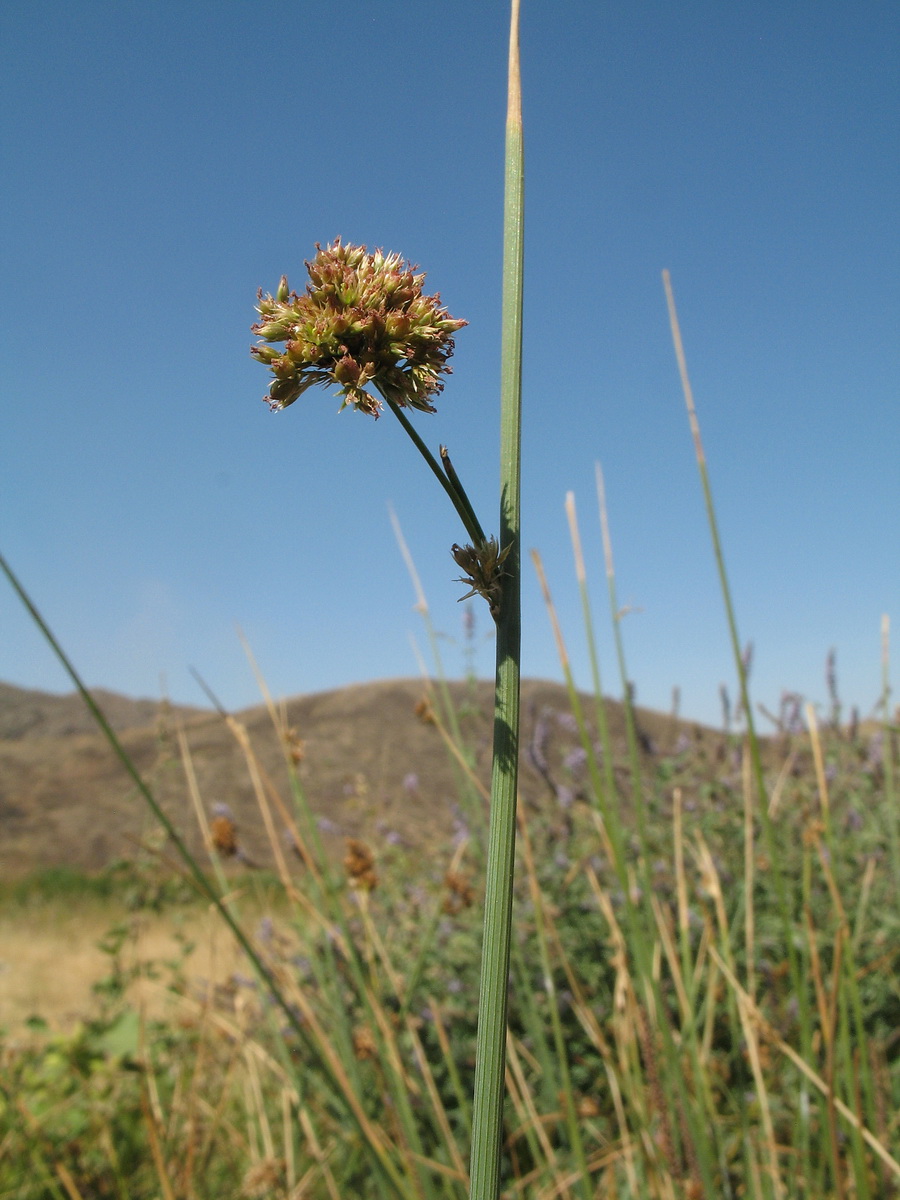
50	960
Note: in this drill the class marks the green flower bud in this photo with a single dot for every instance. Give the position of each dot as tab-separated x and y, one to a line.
346	370
273	331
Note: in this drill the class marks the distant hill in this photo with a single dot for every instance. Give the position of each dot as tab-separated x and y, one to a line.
26	713
371	767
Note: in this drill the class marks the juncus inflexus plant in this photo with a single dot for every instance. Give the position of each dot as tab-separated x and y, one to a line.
365	326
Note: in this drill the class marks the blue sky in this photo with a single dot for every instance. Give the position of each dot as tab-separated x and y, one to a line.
161	162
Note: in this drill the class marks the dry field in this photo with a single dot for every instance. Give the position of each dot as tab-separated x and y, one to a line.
50	959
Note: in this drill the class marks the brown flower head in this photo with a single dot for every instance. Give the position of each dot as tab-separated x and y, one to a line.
223	832
460	893
483	566
364	1044
362	322
359	863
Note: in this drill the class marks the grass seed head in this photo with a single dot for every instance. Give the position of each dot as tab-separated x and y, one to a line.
460	893
364	1044
295	746
359	863
224	835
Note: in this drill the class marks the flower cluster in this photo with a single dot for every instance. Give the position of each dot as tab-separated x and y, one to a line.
359	863
483	566
362	322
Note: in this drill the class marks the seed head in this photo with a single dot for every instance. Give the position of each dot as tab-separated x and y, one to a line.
460	893
224	835
362	322
359	863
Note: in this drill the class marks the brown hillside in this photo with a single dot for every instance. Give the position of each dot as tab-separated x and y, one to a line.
26	713
371	767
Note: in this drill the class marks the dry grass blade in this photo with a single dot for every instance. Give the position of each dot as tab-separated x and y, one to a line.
65	1177
194	793
324	1045
818	983
784	775
774	1038
862	904
663	919
460	1172
561	651
320	1157
258	1115
257	775
762	1095
529	1120
749	872
159	1160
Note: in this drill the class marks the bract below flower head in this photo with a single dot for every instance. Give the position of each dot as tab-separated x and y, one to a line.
362	322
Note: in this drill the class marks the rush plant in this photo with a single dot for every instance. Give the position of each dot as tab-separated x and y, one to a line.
364	325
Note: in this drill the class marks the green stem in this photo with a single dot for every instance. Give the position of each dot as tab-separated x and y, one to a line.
616	613
490	1052
456	482
458	498
769	836
755	756
887	752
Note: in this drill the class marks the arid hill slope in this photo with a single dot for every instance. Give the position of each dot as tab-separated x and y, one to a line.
371	767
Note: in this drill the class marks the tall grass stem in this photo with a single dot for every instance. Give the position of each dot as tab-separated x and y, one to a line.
771	843
490	1052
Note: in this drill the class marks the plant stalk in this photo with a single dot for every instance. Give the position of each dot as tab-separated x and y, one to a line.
449	482
490	1053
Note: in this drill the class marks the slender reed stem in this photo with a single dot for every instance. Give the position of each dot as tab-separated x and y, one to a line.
460	491
616	613
888	729
772	847
581	576
756	758
605	798
542	928
490	1053
449	482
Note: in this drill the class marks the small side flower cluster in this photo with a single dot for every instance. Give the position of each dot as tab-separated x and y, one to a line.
483	566
362	321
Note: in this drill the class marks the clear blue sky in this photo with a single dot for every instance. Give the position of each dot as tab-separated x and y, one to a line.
162	161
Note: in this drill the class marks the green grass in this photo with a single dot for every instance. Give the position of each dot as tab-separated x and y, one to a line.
701	1080
125	882
61	884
